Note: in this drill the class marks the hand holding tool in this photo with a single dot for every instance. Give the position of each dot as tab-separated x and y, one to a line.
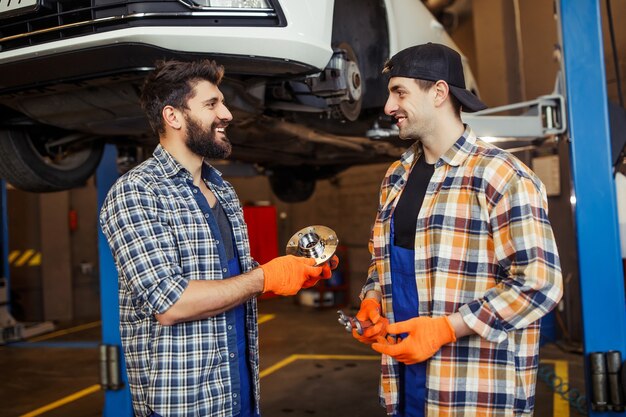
358	328
286	275
425	337
368	323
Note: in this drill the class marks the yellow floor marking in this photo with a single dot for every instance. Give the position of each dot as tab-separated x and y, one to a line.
63	401
265	317
94	388
294	358
561	406
65	331
262	319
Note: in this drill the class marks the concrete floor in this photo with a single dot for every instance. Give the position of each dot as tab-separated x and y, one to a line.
309	367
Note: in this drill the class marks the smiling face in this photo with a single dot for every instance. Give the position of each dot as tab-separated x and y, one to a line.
412	107
206	120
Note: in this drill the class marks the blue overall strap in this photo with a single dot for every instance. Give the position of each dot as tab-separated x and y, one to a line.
246	401
245	389
405	307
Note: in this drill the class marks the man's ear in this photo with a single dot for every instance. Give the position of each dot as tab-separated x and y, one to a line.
442	90
172	117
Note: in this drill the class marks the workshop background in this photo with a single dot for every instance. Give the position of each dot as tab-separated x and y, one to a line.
512	47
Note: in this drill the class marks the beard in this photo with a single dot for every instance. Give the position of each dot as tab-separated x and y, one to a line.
203	142
408	132
413	129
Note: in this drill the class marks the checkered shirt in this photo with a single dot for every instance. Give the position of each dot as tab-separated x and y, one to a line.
160	240
483	247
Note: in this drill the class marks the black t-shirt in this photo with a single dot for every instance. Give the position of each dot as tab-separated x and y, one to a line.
224	226
405	214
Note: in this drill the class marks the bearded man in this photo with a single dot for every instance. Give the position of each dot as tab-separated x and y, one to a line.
187	282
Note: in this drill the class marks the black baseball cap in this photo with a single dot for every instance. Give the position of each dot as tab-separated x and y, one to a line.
434	62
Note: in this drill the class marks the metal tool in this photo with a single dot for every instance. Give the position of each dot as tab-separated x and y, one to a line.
352	323
317	242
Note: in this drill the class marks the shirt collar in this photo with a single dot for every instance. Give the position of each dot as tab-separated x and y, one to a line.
461	149
171	167
454	156
411	154
212	175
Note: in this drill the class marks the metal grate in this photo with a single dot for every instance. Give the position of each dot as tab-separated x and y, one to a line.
56	20
50	15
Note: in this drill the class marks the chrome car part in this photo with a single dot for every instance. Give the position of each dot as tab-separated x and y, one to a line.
317	242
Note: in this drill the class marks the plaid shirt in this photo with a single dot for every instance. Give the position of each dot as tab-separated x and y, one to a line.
483	247
160	240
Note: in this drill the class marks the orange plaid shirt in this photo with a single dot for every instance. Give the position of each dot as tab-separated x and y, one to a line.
483	247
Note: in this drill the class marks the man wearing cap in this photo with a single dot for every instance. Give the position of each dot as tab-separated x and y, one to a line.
464	262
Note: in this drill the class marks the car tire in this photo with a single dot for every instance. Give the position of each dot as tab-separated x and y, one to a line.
26	166
290	187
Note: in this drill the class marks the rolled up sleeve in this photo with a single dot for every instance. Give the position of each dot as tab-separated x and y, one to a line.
143	247
530	280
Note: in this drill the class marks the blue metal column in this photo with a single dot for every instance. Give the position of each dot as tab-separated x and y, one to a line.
601	274
117	403
4	238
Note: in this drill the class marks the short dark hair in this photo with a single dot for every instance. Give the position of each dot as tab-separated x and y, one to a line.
172	84
425	85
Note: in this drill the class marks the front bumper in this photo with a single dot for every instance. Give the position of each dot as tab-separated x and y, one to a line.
300	46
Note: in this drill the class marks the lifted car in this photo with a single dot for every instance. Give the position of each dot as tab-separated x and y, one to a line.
302	80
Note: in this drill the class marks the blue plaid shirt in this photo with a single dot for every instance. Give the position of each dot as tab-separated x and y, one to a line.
160	240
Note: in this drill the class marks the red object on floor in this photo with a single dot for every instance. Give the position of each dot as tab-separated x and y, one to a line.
263	234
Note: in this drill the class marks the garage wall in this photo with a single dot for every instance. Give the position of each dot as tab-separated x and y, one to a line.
54	268
618	10
24	244
84	253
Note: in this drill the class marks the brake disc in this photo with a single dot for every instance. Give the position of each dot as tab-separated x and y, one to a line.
317	242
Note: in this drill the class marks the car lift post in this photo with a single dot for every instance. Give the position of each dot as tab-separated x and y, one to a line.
117	402
6	320
600	263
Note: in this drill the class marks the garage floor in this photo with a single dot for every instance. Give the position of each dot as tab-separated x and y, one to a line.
309	367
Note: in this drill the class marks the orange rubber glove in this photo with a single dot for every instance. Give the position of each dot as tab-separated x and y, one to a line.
285	275
370	311
327	272
425	337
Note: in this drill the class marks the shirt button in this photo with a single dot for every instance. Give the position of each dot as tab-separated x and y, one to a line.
217	242
235	395
195	191
230	327
224	270
232	355
206	215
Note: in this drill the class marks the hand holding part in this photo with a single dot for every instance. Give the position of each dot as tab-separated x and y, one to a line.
425	337
327	272
372	323
286	275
